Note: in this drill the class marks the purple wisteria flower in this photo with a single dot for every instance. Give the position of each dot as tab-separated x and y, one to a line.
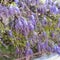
4	11
54	9
11	10
44	21
24	22
16	1
17	50
48	2
57	49
43	46
49	49
17	10
18	25
10	33
52	34
14	10
28	51
32	20
27	44
44	34
25	27
31	26
42	9
55	2
46	43
39	46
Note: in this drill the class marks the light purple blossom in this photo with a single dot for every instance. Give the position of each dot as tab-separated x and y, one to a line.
27	44
54	9
44	21
31	27
28	51
57	49
17	50
48	2
10	33
39	46
16	1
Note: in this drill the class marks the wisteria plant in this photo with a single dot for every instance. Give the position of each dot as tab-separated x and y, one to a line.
28	27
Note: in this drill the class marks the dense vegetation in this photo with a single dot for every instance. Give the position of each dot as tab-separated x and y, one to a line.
29	26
